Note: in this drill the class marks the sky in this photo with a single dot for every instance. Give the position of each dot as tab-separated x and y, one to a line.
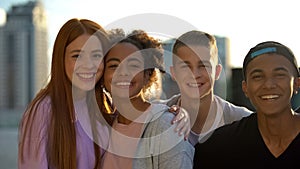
245	23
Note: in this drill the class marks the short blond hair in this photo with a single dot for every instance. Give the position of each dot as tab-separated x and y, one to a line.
200	38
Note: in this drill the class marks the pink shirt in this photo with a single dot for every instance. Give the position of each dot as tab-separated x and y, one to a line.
123	143
35	145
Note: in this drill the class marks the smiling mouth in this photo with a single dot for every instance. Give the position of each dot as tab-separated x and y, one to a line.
86	75
269	97
196	85
122	83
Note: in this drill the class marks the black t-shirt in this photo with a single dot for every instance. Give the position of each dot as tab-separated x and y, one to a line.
240	145
297	110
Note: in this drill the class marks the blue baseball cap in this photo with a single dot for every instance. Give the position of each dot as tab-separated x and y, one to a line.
270	47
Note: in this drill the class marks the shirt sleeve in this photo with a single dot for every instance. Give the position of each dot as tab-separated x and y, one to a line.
34	142
173	151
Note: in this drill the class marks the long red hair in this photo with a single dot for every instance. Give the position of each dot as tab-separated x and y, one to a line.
61	145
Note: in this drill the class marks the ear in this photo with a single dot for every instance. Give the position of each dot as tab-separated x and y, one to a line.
172	71
218	71
244	88
296	85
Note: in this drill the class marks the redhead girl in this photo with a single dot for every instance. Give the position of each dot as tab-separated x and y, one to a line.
51	134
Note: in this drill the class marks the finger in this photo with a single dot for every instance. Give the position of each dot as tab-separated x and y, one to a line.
187	127
187	131
178	117
174	109
186	118
182	126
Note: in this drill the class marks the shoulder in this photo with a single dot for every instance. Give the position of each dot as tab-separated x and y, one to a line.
36	118
39	111
45	104
232	107
232	112
297	109
174	100
40	108
164	136
171	101
227	141
236	129
161	115
159	121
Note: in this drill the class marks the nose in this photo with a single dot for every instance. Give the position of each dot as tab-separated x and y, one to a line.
196	72
270	83
88	62
122	70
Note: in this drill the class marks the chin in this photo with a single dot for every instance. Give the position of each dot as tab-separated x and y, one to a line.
86	87
191	95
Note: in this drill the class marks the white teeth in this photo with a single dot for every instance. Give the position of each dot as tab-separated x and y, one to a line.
86	75
194	84
269	97
123	83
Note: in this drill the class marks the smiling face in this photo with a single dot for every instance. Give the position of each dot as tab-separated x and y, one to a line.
83	62
195	71
124	71
270	83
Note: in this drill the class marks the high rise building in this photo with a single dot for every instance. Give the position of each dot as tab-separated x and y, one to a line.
222	85
23	54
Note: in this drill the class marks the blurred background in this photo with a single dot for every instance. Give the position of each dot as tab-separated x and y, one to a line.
28	30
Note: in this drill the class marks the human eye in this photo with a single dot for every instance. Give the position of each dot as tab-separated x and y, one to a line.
281	72
183	66
134	64
97	55
202	66
208	66
205	64
75	56
256	76
113	66
280	75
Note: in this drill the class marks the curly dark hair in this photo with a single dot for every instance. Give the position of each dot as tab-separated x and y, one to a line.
151	49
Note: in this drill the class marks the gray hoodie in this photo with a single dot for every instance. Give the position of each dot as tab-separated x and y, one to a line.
161	147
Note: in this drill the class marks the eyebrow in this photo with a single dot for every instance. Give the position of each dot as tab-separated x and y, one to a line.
205	62
97	50
276	69
79	50
200	62
112	59
134	59
75	51
255	71
281	69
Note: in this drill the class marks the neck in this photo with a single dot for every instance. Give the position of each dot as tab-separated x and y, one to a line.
278	132
78	94
130	109
279	126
